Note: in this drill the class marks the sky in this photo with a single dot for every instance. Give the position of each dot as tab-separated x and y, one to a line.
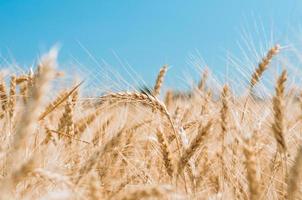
141	35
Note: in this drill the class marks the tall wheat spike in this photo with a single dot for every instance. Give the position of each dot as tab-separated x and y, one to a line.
263	65
225	109
279	110
159	81
12	96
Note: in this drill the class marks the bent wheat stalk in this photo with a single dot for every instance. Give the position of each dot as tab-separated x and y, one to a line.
144	99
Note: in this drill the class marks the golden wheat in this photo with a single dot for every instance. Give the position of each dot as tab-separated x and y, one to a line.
134	145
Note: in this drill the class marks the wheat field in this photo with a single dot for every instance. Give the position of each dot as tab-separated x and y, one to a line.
148	145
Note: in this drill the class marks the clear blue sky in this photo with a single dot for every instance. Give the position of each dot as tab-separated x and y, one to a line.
146	34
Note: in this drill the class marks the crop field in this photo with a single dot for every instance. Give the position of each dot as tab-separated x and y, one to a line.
62	144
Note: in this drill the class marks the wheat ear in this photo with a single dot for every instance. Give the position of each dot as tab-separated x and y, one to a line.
82	124
203	80
189	152
225	109
12	96
278	108
253	180
263	65
3	96
147	192
159	81
59	100
166	153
